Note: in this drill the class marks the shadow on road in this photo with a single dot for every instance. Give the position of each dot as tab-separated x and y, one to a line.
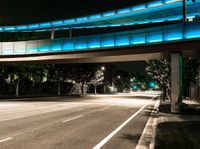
133	138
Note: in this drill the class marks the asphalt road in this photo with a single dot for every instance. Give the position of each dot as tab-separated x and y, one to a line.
108	122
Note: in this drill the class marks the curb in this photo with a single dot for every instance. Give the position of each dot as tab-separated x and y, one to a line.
147	138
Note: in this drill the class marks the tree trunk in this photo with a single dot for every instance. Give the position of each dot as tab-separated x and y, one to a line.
82	88
17	87
104	89
59	87
164	93
95	89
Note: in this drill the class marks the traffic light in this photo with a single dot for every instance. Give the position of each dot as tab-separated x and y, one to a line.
135	86
152	84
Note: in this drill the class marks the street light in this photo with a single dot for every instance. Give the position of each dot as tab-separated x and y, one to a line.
103	68
118	77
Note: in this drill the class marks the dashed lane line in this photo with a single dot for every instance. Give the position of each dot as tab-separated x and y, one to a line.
5	139
72	118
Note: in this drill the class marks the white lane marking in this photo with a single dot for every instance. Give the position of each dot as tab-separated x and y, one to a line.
72	118
106	108
5	139
105	140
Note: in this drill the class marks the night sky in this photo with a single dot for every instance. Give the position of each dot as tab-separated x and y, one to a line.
35	11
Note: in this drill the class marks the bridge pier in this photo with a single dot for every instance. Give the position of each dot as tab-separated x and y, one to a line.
176	82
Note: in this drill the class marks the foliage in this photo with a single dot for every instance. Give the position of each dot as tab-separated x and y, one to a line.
159	70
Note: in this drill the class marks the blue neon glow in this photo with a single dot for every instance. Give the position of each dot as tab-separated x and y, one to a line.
127	10
57	23
192	31
139	7
108	14
33	26
80	43
156	36
107	41
56	45
45	24
97	16
21	27
68	44
82	19
9	28
122	40
155	4
69	21
162	34
32	50
94	42
44	47
138	38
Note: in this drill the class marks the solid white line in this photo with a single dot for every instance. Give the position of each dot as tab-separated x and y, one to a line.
98	146
5	139
72	118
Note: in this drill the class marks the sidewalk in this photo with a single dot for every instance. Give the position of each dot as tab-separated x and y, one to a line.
178	131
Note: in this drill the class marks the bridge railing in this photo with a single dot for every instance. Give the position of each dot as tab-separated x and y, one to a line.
154	35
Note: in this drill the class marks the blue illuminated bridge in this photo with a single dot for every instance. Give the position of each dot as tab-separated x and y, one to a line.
147	43
175	39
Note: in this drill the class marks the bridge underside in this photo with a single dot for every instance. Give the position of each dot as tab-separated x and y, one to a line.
135	53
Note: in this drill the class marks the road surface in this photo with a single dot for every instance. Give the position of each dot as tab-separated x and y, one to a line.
107	122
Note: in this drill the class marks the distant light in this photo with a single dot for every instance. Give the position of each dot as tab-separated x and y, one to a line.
152	84
103	68
118	77
135	86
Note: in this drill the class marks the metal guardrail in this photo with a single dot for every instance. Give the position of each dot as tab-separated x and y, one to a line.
162	34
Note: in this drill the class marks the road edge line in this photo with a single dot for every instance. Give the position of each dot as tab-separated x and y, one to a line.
108	137
146	136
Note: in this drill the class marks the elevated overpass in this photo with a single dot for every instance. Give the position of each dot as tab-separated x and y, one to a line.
150	43
168	41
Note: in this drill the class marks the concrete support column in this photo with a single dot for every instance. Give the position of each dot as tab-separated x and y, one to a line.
176	82
52	33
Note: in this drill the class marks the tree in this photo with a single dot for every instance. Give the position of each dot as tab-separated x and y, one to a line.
159	70
122	80
190	72
97	79
83	73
